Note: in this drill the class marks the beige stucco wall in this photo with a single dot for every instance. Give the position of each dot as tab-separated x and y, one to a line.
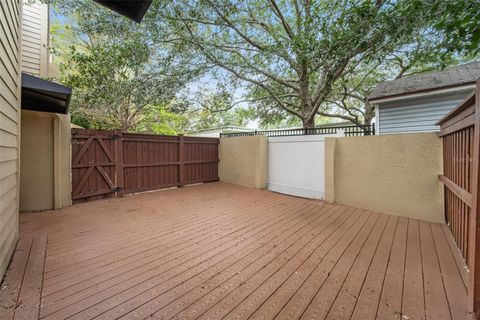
395	174
62	161
45	161
36	177
330	169
243	161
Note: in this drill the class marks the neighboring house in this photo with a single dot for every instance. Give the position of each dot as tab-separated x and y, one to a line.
415	103
215	132
44	130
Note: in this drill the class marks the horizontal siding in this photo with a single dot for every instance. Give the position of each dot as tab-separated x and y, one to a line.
35	39
30	54
7	168
416	115
8	49
8	109
9	126
8	154
9	23
31	70
8	230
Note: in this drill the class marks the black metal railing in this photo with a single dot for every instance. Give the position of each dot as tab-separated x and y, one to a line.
349	131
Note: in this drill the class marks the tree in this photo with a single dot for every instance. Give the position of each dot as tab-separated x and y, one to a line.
290	53
458	23
349	99
215	107
163	119
118	69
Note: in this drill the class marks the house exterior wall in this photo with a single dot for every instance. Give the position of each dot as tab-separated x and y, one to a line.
45	161
35	39
36	177
416	115
45	147
10	63
395	174
243	161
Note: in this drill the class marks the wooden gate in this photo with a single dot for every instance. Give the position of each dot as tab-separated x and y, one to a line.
112	163
460	131
94	164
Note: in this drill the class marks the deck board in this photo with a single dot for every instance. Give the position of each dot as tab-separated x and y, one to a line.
390	304
366	305
219	251
413	304
345	301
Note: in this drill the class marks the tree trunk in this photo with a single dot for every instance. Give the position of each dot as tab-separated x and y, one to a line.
368	122
309	123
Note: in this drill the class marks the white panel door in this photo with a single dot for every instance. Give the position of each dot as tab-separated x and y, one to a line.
296	165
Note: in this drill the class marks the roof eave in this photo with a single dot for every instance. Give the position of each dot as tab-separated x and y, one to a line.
422	93
135	14
42	95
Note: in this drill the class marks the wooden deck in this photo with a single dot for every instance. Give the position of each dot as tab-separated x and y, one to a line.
218	251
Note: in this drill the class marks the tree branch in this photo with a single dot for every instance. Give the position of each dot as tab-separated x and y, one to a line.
214	60
284	22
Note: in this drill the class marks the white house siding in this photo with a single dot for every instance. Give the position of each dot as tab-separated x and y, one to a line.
418	115
35	39
9	127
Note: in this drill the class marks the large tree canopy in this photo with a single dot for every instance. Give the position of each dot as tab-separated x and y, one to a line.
291	62
290	54
121	71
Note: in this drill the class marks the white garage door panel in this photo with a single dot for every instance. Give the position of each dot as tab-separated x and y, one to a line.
296	165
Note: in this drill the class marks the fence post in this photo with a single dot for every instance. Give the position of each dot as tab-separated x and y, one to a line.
474	241
181	167
119	172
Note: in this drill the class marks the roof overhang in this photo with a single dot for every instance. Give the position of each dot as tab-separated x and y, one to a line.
424	94
132	9
43	95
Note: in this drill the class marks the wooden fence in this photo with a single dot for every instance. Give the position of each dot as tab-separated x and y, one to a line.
111	163
460	131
